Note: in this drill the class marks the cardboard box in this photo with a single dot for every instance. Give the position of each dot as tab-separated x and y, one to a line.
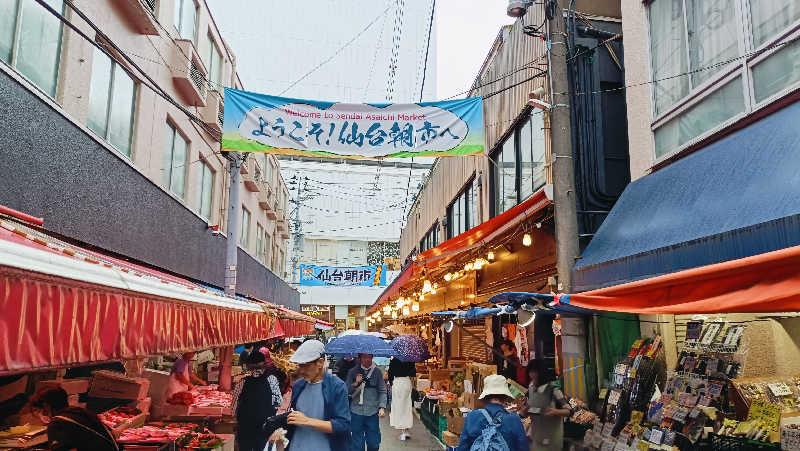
470	401
109	384
449	438
71	386
214	369
144	404
455	421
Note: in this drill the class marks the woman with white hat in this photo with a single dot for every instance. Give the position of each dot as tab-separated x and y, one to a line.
507	425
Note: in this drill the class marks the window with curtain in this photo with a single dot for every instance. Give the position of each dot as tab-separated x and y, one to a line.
186	19
696	44
265	257
244	235
30	40
213	61
259	241
112	101
175	161
206	190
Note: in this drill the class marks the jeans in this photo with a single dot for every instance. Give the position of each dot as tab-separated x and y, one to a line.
365	430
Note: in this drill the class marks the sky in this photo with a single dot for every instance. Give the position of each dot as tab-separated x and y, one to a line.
341	50
465	32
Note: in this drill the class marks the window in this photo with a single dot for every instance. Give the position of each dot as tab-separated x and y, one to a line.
213	62
431	239
696	49
267	248
244	236
462	214
519	164
175	161
186	19
30	40
281	264
111	102
206	190
259	240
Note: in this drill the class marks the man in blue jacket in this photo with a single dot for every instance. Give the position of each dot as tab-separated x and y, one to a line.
321	416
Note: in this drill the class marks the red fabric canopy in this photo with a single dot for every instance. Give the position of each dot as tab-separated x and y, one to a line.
455	247
50	322
763	283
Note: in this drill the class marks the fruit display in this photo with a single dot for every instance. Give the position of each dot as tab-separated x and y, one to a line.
157	432
196	441
118	416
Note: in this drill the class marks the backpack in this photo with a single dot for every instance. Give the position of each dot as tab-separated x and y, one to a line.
490	438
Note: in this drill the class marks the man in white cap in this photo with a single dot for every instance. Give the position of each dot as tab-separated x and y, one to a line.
508	426
321	408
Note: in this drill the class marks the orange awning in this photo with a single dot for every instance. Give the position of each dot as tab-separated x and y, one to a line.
455	247
763	283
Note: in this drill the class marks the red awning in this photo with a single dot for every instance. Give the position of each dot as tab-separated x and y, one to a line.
473	238
63	306
763	283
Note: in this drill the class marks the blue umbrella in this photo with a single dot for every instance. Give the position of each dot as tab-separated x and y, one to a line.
359	344
410	348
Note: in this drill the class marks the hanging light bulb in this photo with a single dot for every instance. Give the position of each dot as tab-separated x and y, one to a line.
426	286
462	302
490	256
422	297
448	277
527	240
387	309
415	306
380	319
478	264
394	315
406	311
435	285
433	290
468	267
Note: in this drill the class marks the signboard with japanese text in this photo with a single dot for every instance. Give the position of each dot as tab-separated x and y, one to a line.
263	123
338	276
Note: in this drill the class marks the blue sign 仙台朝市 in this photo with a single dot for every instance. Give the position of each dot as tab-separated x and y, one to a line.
338	276
262	123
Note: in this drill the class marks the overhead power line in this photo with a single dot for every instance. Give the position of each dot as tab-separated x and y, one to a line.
335	54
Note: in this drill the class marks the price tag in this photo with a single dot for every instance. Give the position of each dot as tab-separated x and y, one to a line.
770	414
780	389
637	361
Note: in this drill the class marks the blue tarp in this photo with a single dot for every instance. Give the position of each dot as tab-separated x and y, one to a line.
542	300
735	198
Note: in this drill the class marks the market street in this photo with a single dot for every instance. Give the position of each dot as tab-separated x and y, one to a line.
421	439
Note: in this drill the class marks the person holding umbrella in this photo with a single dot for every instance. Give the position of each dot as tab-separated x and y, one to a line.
367	403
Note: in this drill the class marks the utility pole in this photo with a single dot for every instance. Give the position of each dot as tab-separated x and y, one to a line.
298	229
566	220
234	212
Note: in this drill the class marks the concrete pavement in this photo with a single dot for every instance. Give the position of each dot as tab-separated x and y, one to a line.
421	439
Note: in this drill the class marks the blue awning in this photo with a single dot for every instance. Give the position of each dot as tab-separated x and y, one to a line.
735	198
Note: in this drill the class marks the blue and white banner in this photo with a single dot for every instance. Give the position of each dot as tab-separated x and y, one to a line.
262	123
343	276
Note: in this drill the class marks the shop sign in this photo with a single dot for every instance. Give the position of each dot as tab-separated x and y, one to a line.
263	123
339	276
316	311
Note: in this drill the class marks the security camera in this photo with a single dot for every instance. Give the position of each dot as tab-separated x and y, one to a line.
536	103
517	8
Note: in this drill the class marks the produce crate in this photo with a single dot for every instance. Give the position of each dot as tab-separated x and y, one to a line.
436	424
109	384
729	443
71	386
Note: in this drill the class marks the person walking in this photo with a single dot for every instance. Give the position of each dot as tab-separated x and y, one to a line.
547	406
320	420
367	403
507	426
255	398
401	378
70	428
343	366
